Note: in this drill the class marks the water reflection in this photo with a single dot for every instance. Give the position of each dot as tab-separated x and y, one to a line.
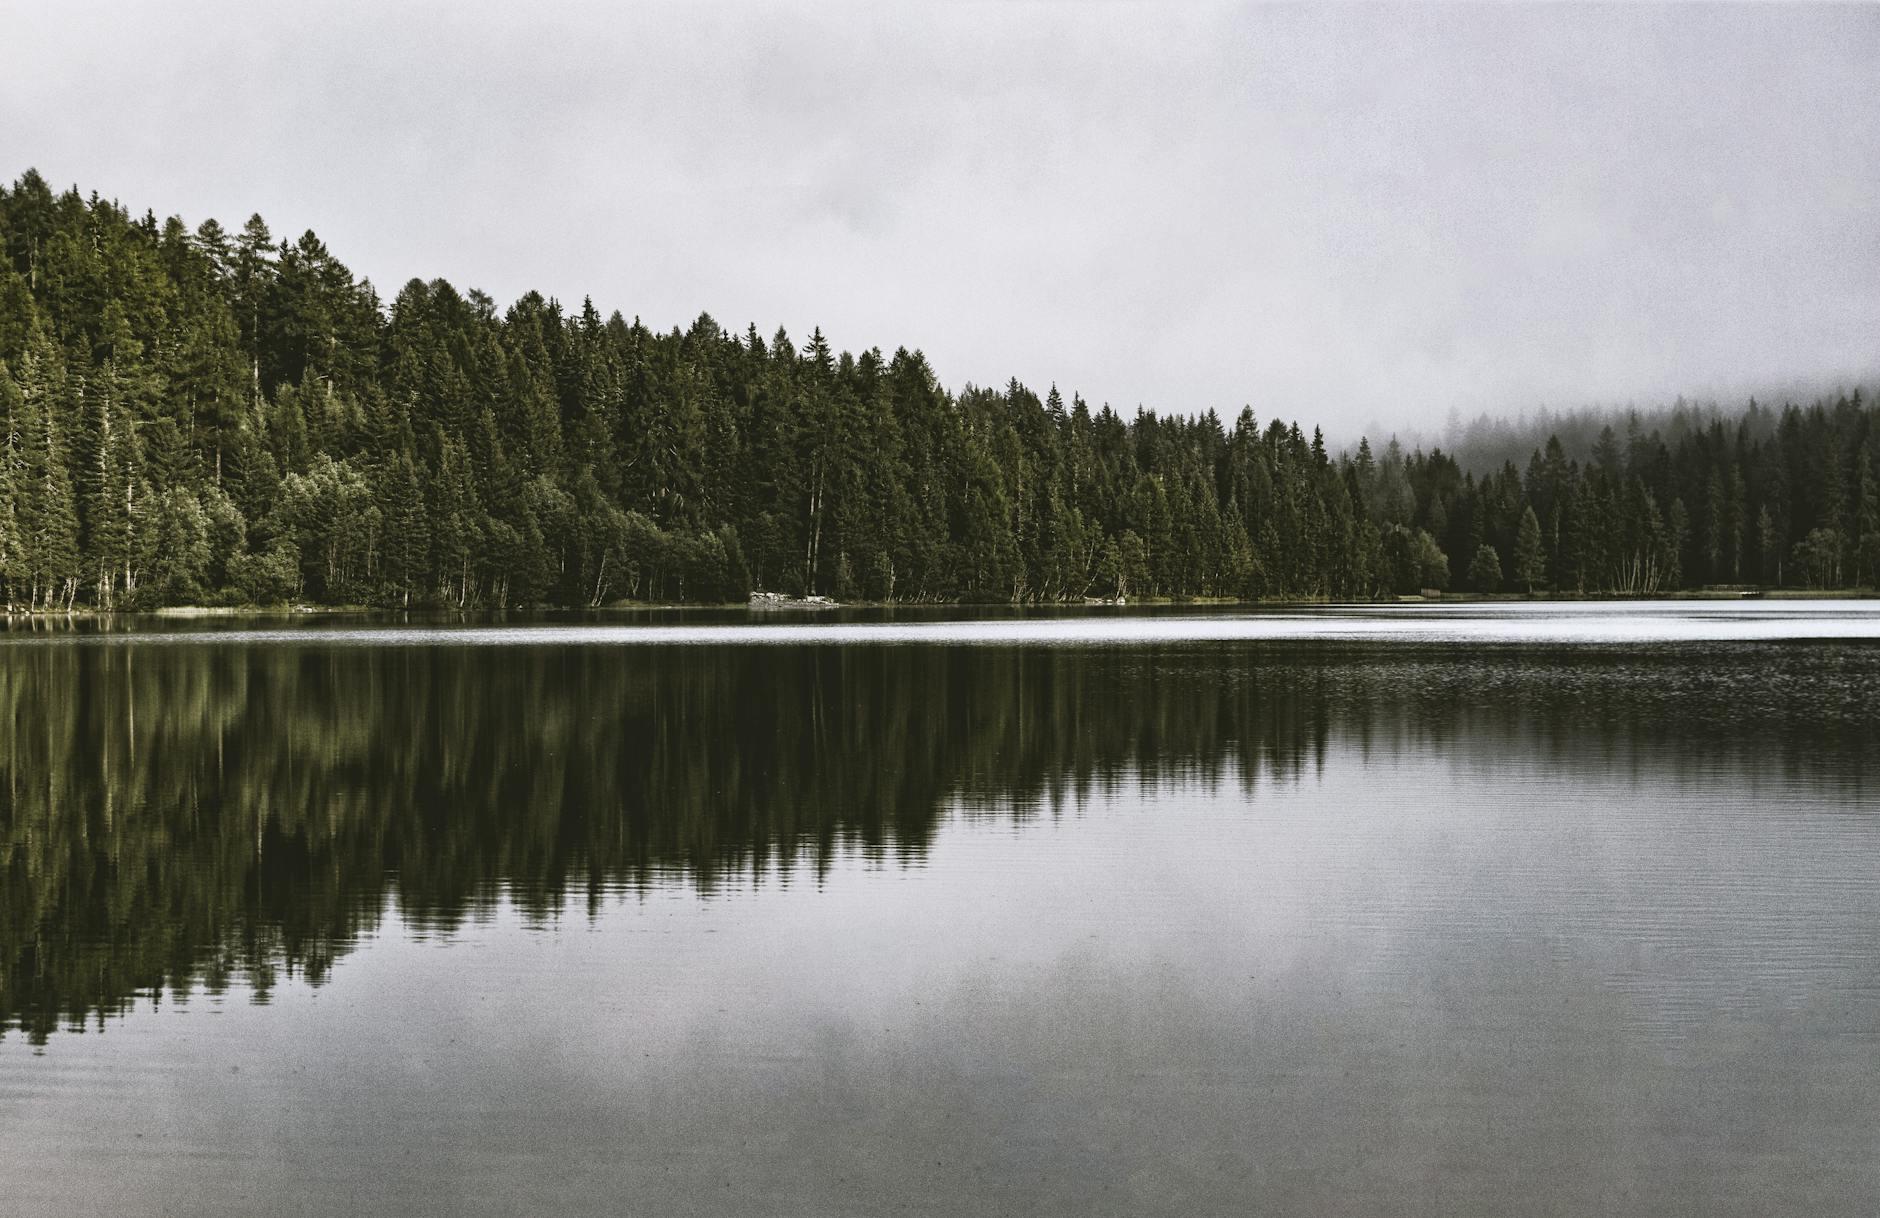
1186	927
212	816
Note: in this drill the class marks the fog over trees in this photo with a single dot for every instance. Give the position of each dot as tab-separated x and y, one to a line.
216	415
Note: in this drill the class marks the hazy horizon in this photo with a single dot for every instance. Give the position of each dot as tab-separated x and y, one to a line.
1372	219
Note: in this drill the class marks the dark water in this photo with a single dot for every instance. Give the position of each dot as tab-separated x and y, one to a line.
1473	915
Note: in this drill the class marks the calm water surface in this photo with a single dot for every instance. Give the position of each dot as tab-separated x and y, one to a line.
1438	911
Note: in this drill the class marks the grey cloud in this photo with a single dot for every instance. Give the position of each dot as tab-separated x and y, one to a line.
1346	214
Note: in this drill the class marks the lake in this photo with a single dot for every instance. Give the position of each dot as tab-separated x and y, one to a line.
1443	910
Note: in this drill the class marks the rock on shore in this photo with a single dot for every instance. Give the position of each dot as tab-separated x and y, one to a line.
777	600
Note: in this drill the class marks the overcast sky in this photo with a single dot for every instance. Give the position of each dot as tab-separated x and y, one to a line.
1348	215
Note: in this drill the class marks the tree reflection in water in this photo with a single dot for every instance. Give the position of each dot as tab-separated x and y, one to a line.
208	815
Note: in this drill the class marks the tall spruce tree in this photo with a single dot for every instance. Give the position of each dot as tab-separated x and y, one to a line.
1530	562
45	511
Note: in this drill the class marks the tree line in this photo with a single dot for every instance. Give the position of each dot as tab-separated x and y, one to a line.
214	416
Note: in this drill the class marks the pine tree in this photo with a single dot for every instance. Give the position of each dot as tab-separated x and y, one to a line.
1530	563
251	280
46	514
402	508
12	406
1771	544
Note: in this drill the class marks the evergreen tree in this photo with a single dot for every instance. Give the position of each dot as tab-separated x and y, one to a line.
45	512
1530	562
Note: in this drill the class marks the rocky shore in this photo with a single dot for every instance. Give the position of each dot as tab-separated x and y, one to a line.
777	600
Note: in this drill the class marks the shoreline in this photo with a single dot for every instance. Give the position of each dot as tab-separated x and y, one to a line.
820	607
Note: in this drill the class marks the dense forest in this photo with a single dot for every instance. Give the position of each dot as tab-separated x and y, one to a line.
207	416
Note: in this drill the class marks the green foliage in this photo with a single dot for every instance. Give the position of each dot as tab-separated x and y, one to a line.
269	578
181	550
44	510
1485	569
1817	558
1530	562
1412	561
206	415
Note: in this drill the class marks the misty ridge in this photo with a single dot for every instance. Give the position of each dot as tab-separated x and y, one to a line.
215	417
1486	442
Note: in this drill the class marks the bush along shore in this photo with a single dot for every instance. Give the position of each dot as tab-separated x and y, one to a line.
211	416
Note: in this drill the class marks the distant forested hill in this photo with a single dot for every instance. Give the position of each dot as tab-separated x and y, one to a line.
211	416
